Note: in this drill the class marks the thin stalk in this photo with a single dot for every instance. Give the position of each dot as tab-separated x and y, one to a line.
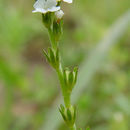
67	101
73	128
66	97
59	70
53	42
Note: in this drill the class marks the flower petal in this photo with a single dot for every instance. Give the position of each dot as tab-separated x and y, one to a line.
44	6
53	9
68	1
39	10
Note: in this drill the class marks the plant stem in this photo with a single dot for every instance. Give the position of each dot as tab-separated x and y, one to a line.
73	128
60	73
67	100
53	42
66	96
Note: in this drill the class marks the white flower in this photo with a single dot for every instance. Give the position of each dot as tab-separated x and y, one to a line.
59	14
44	6
68	1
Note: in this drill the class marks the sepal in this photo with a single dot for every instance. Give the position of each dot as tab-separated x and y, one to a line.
68	114
52	57
57	29
70	78
47	19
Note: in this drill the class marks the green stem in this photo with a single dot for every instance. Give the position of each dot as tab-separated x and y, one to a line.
65	95
59	70
73	128
67	100
53	42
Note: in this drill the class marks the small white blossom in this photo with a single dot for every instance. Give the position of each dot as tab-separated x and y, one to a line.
44	6
68	1
59	14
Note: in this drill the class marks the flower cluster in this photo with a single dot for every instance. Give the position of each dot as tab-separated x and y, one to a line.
44	6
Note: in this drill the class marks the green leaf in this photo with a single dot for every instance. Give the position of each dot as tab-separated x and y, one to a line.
57	56
62	107
64	117
75	74
45	54
52	55
69	114
70	79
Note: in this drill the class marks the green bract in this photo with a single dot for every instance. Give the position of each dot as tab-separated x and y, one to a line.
70	78
52	57
47	19
57	29
68	114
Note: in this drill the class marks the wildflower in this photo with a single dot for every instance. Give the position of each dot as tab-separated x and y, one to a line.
44	6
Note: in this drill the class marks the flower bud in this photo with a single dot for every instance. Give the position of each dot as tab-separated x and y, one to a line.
70	78
47	19
57	29
59	14
53	57
68	114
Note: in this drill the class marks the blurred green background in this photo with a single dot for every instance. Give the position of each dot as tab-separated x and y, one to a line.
29	86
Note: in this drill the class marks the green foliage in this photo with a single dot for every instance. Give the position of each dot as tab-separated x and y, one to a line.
28	87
